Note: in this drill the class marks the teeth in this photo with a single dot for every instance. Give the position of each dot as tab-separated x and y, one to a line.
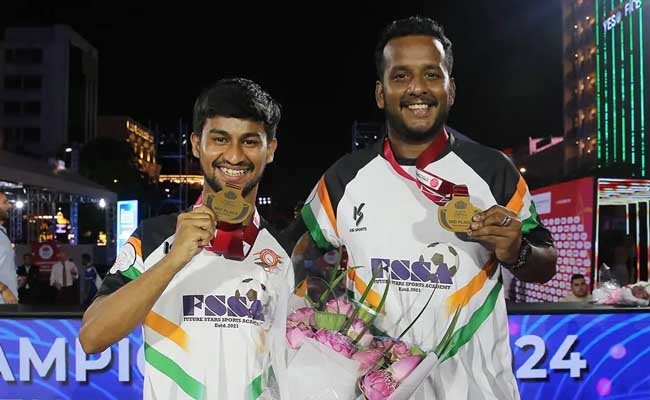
233	172
418	107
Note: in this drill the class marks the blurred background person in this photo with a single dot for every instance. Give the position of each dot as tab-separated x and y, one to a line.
63	278
8	281
579	292
28	282
91	282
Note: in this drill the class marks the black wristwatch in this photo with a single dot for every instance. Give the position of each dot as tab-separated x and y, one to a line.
524	253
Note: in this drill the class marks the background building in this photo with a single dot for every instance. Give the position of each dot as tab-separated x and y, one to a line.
141	139
605	80
48	91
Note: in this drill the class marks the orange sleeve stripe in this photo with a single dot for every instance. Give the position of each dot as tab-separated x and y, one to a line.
373	297
463	296
137	244
517	201
325	202
167	329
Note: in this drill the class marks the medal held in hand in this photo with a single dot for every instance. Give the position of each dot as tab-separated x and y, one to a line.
229	205
457	215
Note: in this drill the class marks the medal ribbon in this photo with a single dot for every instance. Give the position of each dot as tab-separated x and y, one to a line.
229	239
435	188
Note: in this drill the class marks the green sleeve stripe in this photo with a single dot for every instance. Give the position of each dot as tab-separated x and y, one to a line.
314	228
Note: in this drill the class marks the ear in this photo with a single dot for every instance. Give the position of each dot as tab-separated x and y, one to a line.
273	145
379	95
452	91
196	145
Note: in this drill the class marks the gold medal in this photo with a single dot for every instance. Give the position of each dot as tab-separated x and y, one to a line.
229	205
457	215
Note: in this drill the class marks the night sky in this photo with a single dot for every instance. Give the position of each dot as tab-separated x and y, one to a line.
316	59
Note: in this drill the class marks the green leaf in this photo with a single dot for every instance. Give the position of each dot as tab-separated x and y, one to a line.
416	351
446	338
376	312
364	295
329	321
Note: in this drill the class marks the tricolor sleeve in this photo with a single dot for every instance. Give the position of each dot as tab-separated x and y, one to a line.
319	216
532	228
128	265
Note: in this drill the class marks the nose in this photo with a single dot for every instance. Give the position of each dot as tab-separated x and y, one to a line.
417	86
234	154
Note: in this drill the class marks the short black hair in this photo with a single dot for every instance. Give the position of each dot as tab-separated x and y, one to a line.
576	276
410	27
236	98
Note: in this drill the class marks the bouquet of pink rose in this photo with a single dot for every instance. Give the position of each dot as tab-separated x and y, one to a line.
335	335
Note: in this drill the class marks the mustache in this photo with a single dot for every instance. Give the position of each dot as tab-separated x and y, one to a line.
430	100
219	164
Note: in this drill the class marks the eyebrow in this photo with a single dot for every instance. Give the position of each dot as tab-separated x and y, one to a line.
226	133
405	67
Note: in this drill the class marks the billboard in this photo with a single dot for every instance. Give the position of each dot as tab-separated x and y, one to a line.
558	356
127	222
566	209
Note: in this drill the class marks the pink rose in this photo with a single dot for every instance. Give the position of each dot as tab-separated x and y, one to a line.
402	368
336	341
296	335
355	330
304	315
381	344
367	358
340	306
399	351
378	385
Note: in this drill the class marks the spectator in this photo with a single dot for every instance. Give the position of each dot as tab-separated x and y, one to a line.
92	281
579	291
28	281
63	277
8	281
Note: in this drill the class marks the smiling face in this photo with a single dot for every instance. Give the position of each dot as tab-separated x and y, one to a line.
415	91
235	151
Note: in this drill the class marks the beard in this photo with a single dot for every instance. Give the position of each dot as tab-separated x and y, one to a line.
416	136
211	179
4	215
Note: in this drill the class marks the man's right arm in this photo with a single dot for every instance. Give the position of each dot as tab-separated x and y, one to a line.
112	317
7	295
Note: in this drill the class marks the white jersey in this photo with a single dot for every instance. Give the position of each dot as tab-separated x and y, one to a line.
207	335
388	225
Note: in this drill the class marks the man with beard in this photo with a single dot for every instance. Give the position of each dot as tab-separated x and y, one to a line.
438	216
8	279
206	288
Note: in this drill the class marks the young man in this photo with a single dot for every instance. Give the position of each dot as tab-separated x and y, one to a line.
393	206
578	289
8	280
206	291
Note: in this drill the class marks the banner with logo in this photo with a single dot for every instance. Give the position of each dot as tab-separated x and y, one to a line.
572	356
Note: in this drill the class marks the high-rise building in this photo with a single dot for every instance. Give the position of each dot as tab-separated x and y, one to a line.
48	89
623	77
140	138
606	62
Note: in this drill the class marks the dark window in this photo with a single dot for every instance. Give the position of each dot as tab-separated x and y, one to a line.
12	82
32	134
32	82
12	108
32	108
24	56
